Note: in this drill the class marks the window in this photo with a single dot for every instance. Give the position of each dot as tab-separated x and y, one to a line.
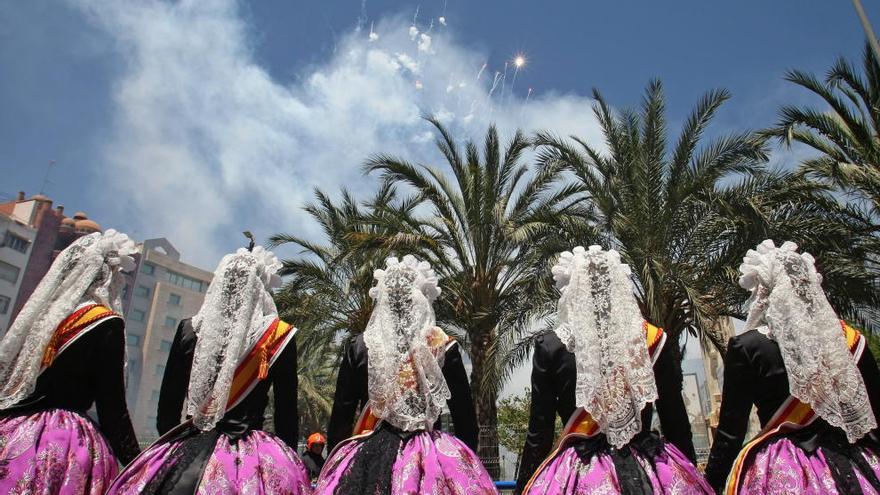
148	268
137	315
142	291
186	282
170	322
133	340
154	397
8	272
4	304
165	345
160	370
16	242
174	299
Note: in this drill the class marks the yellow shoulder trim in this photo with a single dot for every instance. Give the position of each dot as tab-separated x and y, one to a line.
852	335
281	330
93	315
653	334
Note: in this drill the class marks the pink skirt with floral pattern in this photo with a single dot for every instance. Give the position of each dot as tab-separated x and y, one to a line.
428	462
54	452
256	463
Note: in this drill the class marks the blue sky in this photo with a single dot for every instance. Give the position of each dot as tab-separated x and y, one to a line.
196	120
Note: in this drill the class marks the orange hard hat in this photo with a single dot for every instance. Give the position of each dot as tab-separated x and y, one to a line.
315	438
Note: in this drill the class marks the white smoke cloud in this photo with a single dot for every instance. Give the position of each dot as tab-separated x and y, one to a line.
208	144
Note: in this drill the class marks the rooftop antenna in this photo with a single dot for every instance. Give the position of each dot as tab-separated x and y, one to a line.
253	242
46	177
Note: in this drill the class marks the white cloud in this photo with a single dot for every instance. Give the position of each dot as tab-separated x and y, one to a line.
208	144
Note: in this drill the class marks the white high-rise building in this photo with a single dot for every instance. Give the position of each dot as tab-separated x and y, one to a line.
162	291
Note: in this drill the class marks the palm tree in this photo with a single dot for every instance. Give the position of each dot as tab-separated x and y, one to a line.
787	206
332	280
684	217
845	138
480	229
317	354
846	135
670	211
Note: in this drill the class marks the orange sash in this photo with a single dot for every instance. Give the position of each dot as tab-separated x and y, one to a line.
581	424
792	415
256	363
74	327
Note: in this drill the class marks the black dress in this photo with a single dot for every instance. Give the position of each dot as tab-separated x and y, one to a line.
89	371
184	475
351	395
554	378
754	373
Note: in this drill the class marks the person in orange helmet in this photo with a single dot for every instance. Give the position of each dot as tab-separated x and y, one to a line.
312	457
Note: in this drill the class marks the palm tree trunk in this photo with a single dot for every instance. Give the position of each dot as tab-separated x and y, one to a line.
486	404
678	356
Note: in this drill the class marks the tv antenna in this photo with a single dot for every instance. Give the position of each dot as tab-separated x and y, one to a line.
46	177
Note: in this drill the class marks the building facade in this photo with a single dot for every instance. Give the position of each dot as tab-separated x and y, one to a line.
33	233
16	242
161	292
157	295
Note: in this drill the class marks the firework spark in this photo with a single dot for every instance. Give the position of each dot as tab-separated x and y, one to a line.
480	73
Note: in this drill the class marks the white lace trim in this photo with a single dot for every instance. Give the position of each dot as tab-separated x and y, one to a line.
89	270
600	322
787	299
406	384
237	310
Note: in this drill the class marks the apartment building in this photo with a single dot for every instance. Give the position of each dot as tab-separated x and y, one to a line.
164	290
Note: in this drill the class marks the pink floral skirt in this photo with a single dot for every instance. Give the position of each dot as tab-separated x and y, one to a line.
54	452
781	467
428	462
667	472
257	463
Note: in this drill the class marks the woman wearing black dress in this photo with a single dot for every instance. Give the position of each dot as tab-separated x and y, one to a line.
65	352
601	370
815	386
220	368
401	372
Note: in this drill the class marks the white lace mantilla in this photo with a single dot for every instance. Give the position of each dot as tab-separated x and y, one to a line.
237	310
88	271
406	384
789	303
600	322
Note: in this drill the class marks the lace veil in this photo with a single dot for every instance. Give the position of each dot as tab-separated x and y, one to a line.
88	271
238	308
600	322
789	305
406	384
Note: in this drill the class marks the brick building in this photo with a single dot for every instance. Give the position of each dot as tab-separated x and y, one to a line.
33	234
